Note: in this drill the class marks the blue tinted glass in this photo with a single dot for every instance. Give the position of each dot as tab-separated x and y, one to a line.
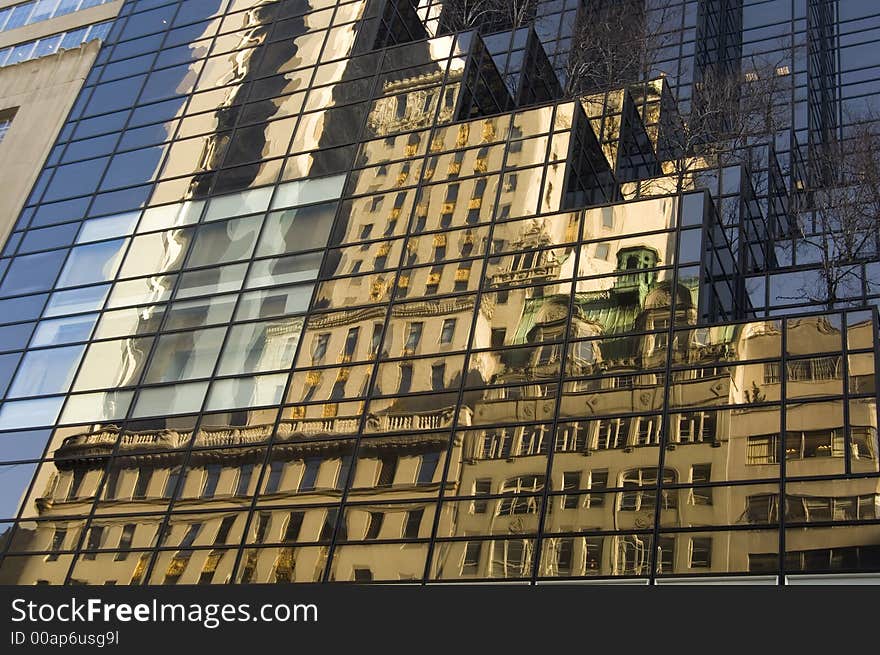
75	179
48	238
75	301
60	212
14	480
7	368
130	168
21	446
15	336
32	273
44	372
22	309
93	263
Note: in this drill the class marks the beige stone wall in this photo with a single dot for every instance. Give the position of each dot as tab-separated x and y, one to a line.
43	90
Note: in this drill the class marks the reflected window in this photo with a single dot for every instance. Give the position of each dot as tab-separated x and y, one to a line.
572	437
648	432
319	347
613	433
76	481
273	482
447	333
633	555
310	474
245	473
815	369
427	468
470	564
571	481
406	376
125	541
598	480
863	439
639	500
762	508
222	535
534	440
700	553
374	525
701	474
58	538
511	558
412	524
762	449
518	504
413	337
96	538
376	339
212	477
351	341
387	471
142	483
293	527
438	376
496	444
482	487
696	427
190	535
814	443
173	486
111	485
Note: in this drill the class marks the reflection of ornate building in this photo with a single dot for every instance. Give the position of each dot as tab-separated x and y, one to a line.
402	333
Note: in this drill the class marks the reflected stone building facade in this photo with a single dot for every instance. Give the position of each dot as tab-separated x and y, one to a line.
329	291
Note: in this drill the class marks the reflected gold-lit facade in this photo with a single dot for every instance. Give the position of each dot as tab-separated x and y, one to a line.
339	305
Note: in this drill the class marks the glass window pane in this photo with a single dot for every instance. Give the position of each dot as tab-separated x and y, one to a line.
156	252
210	281
176	399
304	192
110	364
96	407
239	204
64	330
98	229
247	392
284	270
297	229
274	302
46	371
224	242
94	263
77	300
200	313
29	413
47	46
185	355
264	346
32	272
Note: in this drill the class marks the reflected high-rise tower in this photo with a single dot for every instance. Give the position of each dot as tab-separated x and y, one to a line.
350	291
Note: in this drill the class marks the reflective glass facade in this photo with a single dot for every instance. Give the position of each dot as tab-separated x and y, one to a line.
329	291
